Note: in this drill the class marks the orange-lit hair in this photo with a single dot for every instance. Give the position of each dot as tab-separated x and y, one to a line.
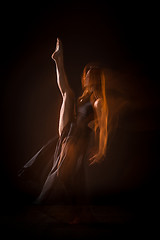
94	79
97	78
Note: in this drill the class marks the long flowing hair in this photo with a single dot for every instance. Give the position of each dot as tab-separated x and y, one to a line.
97	79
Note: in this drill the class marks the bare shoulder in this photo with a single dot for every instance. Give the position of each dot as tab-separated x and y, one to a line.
98	104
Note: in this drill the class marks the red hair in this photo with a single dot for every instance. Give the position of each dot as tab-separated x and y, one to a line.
97	78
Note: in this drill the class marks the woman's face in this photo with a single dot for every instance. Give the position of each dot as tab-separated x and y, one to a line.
87	83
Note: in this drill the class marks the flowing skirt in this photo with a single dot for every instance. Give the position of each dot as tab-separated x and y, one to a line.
57	173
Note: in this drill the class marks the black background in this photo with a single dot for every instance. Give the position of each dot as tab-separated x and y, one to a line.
122	36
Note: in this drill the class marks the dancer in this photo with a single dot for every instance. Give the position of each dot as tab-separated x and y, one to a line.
61	164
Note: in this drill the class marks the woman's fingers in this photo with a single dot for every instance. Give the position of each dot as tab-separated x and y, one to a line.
97	158
92	160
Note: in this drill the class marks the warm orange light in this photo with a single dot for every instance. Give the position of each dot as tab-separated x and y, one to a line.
104	118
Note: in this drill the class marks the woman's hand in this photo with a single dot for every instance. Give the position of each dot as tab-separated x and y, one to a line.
97	158
58	53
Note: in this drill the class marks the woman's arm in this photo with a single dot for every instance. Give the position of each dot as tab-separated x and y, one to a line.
102	114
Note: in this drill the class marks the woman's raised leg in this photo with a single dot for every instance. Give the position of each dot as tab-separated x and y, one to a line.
67	107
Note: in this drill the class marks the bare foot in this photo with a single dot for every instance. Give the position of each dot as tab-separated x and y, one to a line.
58	53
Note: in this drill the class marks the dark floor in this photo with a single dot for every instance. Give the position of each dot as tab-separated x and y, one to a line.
51	222
131	215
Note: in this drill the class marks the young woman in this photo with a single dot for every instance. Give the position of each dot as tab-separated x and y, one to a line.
60	165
